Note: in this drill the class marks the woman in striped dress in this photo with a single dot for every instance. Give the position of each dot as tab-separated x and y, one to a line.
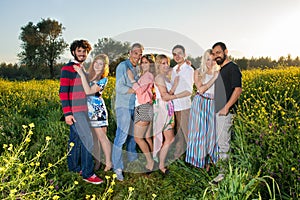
202	146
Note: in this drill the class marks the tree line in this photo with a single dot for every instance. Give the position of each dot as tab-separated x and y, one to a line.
43	45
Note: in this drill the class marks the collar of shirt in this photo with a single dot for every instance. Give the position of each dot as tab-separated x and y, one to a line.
132	68
183	66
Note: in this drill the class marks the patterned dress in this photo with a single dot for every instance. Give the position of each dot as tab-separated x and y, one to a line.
202	147
163	119
97	111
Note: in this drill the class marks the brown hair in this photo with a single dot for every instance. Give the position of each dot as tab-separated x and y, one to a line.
151	60
80	43
91	70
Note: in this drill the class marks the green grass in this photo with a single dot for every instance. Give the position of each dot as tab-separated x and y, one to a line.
265	148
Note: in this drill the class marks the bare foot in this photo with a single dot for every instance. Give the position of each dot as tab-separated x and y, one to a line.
150	165
164	170
207	167
108	167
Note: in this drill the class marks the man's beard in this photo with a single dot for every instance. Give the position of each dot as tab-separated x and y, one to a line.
76	58
220	62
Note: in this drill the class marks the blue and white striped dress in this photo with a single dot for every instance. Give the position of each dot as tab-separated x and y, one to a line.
202	145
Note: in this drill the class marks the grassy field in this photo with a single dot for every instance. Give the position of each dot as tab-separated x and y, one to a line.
264	164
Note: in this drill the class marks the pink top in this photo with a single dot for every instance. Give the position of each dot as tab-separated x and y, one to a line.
143	88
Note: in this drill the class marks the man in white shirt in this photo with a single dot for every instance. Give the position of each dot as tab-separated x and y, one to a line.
182	105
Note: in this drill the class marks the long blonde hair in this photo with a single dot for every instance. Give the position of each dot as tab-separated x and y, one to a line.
203	68
91	70
158	60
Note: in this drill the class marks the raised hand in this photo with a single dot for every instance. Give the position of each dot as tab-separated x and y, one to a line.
78	69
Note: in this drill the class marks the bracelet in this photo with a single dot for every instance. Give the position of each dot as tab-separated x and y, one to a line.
133	81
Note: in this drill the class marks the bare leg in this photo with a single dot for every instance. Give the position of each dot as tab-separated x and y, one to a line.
96	151
149	137
105	143
168	140
140	128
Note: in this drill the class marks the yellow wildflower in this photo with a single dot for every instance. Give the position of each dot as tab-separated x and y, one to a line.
10	147
130	189
76	182
31	125
110	190
13	191
293	169
71	144
48	138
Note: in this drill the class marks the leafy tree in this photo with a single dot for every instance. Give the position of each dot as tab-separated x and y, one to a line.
42	45
115	50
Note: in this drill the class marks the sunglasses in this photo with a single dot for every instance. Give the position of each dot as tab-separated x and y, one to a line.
149	57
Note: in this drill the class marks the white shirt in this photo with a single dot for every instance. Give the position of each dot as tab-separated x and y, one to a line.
186	81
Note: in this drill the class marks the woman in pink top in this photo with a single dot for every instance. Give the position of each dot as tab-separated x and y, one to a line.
143	108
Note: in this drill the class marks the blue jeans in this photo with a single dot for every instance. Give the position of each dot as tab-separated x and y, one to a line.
124	133
80	157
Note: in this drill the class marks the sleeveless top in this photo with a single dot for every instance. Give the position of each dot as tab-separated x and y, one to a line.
168	85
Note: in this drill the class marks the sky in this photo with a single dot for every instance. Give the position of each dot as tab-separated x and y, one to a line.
249	28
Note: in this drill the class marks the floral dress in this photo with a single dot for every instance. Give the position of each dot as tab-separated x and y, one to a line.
163	119
97	111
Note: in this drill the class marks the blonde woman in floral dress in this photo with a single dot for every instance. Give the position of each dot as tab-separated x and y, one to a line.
163	108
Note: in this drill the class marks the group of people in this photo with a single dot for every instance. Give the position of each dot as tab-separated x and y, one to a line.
153	108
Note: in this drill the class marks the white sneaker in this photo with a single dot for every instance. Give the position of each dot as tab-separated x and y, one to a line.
119	174
218	178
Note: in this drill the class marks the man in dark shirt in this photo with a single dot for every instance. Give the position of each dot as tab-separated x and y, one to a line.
228	88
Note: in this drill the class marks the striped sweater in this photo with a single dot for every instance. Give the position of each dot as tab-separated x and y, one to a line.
71	92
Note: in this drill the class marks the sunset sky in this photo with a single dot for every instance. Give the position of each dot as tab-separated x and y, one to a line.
249	28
